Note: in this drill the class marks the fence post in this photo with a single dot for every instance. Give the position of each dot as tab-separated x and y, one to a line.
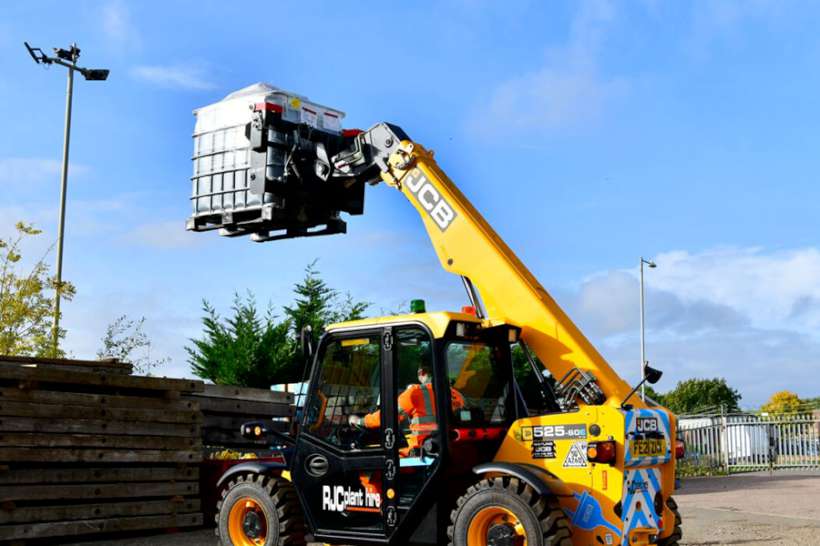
725	437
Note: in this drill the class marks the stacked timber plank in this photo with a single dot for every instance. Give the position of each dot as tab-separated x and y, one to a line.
224	410
86	448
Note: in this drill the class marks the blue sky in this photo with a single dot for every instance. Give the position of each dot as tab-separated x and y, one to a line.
588	133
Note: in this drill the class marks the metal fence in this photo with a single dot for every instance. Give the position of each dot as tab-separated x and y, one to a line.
744	442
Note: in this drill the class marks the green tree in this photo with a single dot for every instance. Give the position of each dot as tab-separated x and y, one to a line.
246	349
810	404
27	300
257	351
126	341
782	402
655	395
318	305
698	395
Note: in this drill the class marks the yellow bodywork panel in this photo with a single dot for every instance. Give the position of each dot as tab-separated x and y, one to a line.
603	481
437	322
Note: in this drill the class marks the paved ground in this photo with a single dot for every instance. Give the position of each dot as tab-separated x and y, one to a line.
750	509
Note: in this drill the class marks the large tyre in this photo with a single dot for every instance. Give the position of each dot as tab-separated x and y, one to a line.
677	532
507	511
257	510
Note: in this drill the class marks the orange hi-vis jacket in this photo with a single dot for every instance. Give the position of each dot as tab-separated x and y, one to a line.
417	404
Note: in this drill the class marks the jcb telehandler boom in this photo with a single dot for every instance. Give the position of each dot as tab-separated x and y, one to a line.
481	448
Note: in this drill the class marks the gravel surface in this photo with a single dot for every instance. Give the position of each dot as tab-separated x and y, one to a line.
750	509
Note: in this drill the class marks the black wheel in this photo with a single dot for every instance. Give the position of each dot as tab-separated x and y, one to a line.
258	510
677	533
507	512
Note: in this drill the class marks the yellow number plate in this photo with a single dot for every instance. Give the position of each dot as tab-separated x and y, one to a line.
648	448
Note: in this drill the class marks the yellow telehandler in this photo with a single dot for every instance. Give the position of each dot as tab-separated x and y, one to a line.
495	425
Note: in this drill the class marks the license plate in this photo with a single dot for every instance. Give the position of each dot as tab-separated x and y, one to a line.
648	448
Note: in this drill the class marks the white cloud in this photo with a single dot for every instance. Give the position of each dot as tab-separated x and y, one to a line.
118	26
174	76
23	171
766	287
741	313
566	89
166	235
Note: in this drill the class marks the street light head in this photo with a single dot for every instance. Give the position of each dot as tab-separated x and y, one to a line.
37	54
95	74
652	265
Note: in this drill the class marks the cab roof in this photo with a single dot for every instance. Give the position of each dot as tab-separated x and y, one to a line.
436	321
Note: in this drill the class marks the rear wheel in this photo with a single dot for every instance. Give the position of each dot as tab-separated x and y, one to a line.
507	512
677	532
258	510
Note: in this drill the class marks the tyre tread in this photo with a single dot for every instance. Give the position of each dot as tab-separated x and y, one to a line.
677	532
554	524
283	495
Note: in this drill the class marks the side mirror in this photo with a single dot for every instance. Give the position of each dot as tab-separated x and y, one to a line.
306	341
652	375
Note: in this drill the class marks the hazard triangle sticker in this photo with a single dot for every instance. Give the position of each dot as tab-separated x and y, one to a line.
577	456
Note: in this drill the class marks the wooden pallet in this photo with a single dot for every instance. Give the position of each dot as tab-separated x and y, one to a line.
86	448
100	366
224	409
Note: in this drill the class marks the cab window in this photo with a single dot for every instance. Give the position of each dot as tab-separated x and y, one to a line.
538	399
475	371
349	384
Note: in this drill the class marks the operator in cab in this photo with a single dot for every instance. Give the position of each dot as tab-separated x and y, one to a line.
417	405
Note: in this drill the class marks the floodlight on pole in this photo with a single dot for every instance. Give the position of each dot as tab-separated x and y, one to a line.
652	265
67	58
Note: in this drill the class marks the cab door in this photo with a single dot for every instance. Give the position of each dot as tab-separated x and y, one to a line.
339	469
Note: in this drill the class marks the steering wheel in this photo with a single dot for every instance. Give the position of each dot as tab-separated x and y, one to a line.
348	435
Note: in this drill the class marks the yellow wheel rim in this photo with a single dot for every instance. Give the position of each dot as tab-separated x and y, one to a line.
247	510
487	518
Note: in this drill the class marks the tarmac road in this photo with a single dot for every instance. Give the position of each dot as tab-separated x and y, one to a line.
748	509
752	509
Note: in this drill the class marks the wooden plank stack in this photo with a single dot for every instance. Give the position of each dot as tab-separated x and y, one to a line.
224	410
87	448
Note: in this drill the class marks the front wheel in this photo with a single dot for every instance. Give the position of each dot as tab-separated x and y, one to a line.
506	512
257	510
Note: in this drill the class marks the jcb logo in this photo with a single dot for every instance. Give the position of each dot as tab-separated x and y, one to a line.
430	199
646	424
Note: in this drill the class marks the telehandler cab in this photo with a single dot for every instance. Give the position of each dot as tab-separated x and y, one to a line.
553	450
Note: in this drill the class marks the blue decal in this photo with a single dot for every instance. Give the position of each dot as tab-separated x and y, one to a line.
588	515
640	487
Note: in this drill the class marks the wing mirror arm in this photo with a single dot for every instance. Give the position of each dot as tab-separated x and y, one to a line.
651	376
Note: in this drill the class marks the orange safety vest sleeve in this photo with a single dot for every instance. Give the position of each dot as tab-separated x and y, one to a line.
406	409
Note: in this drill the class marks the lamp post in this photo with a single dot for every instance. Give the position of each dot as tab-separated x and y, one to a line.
651	265
67	58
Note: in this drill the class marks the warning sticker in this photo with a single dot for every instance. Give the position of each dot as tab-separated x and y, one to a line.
543	449
577	456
